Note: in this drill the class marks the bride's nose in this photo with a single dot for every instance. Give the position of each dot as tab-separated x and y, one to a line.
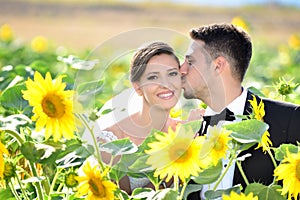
166	83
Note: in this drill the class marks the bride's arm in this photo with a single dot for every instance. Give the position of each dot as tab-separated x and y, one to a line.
196	114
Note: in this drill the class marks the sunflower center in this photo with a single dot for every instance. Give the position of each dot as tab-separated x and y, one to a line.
298	170
97	187
179	154
218	146
53	106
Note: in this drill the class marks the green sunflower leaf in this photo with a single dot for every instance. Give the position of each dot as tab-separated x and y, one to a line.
90	88
30	152
165	194
119	147
209	175
281	151
265	192
12	98
210	194
247	131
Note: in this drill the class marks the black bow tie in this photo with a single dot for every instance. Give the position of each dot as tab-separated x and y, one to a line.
226	115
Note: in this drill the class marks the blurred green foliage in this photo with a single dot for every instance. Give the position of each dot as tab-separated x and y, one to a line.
274	71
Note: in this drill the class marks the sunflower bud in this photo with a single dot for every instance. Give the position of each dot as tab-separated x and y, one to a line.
70	179
286	87
9	170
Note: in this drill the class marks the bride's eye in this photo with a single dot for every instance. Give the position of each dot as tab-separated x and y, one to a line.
173	73
153	77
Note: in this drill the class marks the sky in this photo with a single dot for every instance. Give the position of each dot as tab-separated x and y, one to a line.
232	3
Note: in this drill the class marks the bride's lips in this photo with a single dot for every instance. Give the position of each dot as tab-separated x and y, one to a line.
166	95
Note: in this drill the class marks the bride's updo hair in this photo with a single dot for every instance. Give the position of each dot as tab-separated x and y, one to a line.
144	54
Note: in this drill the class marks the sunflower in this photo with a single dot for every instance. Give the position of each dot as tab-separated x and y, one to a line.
257	109
216	144
258	113
39	44
175	154
6	33
240	22
289	172
94	184
294	41
52	106
241	196
3	150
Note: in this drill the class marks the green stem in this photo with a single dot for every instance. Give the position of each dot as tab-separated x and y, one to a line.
176	183
274	163
238	163
120	196
38	186
12	189
224	172
53	182
22	189
59	187
94	141
183	190
15	134
68	193
272	157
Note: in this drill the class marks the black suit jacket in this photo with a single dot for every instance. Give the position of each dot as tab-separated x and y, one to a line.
284	127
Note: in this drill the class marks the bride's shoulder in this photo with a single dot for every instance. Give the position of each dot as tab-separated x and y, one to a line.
116	129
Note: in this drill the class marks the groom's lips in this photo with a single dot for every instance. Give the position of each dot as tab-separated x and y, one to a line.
166	95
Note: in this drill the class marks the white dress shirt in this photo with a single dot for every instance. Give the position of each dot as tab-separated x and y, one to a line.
237	107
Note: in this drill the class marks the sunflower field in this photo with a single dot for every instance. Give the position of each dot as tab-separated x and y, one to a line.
48	100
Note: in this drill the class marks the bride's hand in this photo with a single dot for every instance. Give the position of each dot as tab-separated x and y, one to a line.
196	114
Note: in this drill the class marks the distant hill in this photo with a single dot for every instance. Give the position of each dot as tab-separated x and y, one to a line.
85	23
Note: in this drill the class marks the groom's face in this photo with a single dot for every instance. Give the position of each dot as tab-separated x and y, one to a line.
197	72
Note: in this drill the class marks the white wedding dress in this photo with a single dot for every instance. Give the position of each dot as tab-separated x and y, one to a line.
108	136
121	109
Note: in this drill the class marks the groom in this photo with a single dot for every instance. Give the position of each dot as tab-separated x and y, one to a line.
214	68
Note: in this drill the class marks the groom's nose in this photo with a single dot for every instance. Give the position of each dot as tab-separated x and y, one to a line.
184	68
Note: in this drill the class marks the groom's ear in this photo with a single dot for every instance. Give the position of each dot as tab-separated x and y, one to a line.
220	64
137	88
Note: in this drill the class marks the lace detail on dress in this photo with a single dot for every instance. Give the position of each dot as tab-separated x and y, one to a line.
138	182
106	136
109	136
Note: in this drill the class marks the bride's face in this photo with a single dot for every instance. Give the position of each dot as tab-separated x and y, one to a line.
160	83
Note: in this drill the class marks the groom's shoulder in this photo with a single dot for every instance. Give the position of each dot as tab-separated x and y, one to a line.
275	103
281	108
280	104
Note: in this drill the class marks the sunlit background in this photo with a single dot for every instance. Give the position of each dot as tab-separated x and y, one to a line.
79	27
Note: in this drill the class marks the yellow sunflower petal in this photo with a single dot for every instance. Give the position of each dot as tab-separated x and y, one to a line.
52	106
175	154
289	172
94	185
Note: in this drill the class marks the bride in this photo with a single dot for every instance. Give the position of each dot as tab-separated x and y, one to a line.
155	77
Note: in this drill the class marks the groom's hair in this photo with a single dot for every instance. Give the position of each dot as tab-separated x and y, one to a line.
228	41
144	54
